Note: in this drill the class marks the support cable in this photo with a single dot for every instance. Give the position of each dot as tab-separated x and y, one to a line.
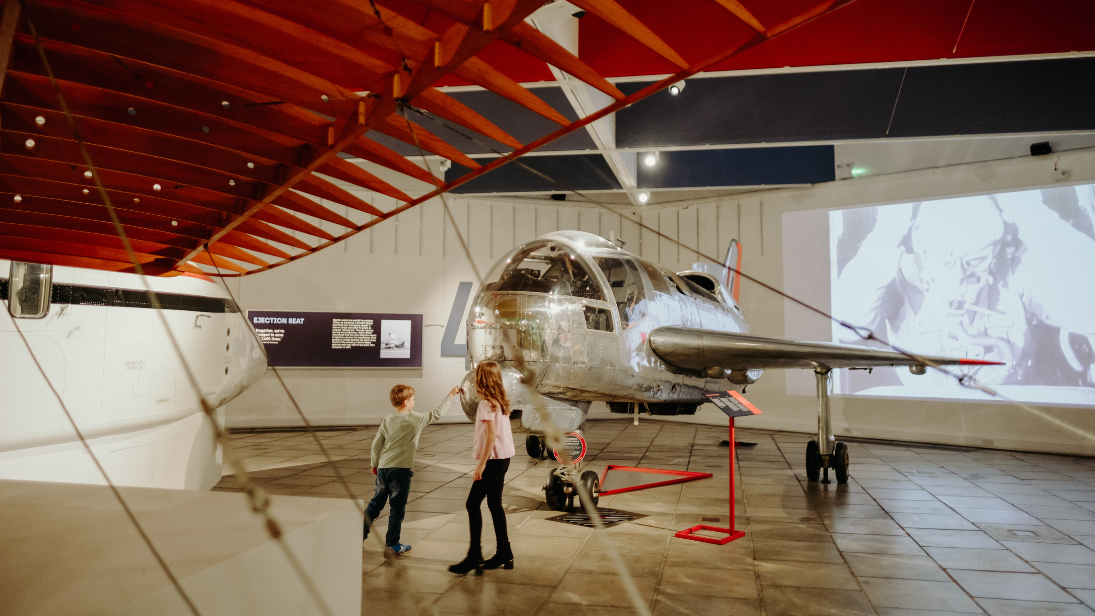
113	488
965	380
257	499
554	436
292	399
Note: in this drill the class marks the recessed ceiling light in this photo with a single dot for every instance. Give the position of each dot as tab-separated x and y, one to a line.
650	159
644	197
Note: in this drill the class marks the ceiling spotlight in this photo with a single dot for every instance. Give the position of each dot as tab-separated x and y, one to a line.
677	88
18	198
40	120
86	191
650	159
156	187
29	143
174	223
136	200
643	197
87	174
250	165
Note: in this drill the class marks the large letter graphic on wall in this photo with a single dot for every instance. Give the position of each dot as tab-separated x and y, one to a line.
449	348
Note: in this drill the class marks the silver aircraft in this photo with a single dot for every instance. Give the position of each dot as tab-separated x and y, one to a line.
596	323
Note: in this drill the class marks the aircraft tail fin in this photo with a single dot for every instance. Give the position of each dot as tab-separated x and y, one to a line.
733	260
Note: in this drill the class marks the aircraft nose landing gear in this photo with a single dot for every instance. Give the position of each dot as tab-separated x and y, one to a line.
825	452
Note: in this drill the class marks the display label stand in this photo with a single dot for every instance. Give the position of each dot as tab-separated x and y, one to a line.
734	405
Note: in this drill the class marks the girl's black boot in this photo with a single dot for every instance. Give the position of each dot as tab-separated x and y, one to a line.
474	560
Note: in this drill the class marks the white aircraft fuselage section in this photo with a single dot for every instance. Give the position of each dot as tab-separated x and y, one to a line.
105	351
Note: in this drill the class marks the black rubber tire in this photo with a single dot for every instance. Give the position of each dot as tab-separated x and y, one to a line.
553	491
813	461
549	453
534	445
840	461
592	483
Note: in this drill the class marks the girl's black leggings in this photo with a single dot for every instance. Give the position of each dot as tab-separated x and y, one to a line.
489	487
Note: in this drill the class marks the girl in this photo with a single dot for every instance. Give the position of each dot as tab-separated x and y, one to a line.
493	449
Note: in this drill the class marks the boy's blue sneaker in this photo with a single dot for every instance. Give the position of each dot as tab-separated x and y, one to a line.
400	548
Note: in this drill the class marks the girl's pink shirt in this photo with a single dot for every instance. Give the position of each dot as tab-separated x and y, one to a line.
503	437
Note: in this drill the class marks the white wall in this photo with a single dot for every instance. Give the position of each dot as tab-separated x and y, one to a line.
414	263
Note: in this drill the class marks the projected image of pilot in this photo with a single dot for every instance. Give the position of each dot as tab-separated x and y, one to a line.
1008	277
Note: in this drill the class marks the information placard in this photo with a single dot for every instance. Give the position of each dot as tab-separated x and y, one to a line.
339	339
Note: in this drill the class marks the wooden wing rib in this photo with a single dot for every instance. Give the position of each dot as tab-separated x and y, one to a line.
743	14
396	126
367	149
349	172
537	44
483	74
213	260
261	229
292	200
228	249
323	189
619	17
278	216
445	106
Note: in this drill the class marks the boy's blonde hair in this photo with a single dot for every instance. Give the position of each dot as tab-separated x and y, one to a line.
400	394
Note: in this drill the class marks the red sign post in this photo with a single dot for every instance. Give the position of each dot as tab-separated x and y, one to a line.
734	405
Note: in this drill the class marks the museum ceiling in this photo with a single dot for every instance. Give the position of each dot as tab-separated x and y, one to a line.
241	135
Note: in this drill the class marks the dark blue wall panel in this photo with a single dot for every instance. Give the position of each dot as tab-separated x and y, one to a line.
578	172
990	98
740	167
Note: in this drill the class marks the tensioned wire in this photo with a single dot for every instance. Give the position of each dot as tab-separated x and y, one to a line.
865	333
554	435
423	603
257	499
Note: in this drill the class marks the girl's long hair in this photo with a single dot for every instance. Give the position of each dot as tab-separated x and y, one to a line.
488	384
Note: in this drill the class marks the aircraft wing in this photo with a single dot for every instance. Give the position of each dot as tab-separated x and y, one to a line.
700	349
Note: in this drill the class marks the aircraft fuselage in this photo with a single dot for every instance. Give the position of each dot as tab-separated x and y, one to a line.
578	309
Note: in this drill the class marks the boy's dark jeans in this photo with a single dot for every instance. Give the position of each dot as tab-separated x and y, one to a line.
392	484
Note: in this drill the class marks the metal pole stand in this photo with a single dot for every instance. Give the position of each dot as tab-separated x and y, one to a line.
731	533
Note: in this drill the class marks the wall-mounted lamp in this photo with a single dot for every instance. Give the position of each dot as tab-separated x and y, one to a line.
650	159
445	165
677	88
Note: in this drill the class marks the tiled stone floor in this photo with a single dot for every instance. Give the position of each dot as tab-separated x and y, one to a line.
919	530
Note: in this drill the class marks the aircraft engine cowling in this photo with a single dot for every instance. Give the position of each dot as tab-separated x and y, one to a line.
566	415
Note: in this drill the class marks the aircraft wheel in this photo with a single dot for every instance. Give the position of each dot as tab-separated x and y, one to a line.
553	491
534	445
813	461
841	461
592	483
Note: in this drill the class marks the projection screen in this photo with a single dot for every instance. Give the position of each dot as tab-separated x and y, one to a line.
1008	277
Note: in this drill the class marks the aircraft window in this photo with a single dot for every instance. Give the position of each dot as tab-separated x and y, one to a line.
29	290
627	288
597	318
657	279
546	269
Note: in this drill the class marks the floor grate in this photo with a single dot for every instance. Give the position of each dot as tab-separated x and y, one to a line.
609	517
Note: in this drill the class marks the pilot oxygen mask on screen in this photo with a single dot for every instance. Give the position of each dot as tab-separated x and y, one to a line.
1008	277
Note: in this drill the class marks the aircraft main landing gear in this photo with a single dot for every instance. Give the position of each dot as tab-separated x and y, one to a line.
563	495
825	452
534	445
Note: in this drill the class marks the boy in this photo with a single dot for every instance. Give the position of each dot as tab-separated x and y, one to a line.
393	457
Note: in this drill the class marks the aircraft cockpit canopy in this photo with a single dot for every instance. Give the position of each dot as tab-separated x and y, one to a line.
547	267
